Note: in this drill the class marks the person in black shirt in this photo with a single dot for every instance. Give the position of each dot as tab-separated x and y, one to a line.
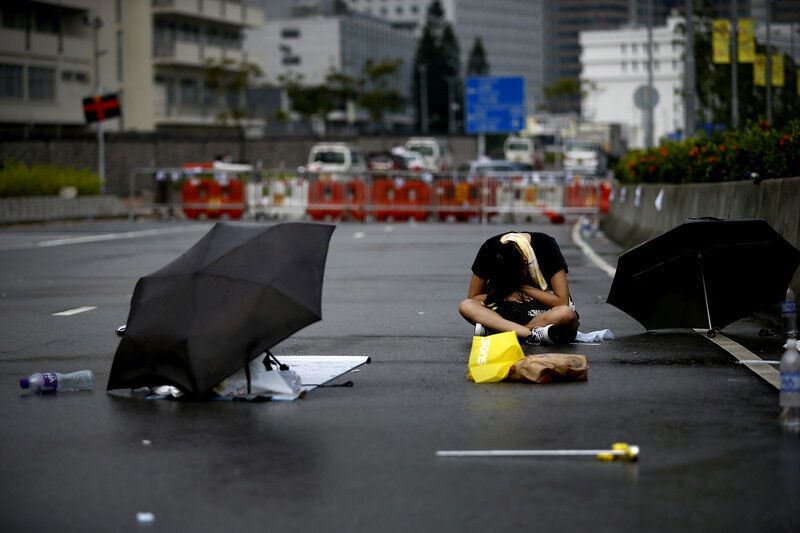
519	283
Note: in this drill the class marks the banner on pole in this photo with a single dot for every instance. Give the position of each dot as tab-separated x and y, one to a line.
778	78
760	70
746	42
797	77
100	107
721	41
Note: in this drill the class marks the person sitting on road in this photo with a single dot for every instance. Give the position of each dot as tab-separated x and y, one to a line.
519	283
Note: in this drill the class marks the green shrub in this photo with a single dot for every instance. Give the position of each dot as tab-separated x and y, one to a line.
728	156
18	179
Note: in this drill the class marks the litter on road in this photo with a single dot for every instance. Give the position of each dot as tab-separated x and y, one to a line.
620	451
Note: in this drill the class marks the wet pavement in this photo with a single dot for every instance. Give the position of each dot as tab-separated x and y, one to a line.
363	458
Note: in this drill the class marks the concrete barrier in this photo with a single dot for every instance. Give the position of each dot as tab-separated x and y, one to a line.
776	201
46	208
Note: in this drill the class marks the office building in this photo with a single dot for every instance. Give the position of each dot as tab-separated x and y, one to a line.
154	53
615	63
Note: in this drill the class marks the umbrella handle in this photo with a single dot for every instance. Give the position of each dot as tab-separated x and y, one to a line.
711	332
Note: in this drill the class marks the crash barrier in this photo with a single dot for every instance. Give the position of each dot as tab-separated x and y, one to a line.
379	196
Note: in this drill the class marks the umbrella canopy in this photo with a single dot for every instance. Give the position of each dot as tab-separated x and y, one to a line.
237	292
704	273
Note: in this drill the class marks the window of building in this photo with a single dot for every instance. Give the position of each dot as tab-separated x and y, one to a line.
624	66
674	65
634	65
624	48
384	11
81	76
41	83
210	94
414	9
10	81
290	60
188	92
398	10
290	33
655	48
13	17
656	65
46	20
634	48
233	99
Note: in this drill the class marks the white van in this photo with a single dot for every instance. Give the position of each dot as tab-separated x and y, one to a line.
436	153
585	157
522	150
335	157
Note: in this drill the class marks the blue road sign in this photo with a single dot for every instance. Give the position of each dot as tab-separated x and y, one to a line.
495	104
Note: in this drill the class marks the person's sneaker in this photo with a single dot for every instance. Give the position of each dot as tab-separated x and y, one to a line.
480	331
539	336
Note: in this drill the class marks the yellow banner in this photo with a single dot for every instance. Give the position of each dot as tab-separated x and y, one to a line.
777	66
721	41
778	78
746	42
760	71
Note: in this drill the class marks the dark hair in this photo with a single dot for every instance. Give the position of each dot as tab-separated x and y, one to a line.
510	272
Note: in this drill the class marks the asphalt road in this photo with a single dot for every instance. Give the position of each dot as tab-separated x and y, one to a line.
363	458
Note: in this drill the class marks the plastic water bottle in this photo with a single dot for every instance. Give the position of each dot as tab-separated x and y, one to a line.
789	314
53	381
790	388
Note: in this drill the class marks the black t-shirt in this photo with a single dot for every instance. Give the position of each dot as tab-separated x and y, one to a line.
548	255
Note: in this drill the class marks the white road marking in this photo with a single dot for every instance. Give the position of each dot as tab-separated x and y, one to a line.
114	236
587	250
70	312
769	374
745	356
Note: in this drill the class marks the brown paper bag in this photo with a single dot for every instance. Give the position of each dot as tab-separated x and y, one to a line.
550	367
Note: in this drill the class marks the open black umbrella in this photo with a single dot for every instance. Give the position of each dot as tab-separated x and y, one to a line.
237	292
704	273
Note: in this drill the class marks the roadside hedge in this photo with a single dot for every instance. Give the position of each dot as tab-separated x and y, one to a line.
18	179
754	152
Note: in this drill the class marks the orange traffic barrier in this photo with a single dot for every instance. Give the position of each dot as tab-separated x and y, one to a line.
207	198
336	200
401	199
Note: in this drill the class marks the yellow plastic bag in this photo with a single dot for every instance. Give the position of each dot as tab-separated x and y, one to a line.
492	357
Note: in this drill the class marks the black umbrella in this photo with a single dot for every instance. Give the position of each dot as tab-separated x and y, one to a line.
237	292
704	273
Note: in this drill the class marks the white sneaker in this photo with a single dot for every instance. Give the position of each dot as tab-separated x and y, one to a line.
539	336
480	331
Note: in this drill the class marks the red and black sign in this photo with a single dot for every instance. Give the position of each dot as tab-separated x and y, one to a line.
98	108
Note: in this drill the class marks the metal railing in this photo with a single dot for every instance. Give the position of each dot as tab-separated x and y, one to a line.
364	196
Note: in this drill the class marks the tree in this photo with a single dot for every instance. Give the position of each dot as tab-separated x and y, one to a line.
559	93
312	102
438	58
477	64
370	90
375	95
228	82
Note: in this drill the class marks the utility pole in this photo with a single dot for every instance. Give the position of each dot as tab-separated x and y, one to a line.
734	67
451	112
768	14
648	133
688	75
423	97
95	24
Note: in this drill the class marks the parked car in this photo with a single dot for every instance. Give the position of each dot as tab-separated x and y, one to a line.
582	157
335	157
395	160
436	153
523	150
496	168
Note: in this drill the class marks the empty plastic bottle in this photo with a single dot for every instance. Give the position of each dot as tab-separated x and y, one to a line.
790	388
53	381
789	314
